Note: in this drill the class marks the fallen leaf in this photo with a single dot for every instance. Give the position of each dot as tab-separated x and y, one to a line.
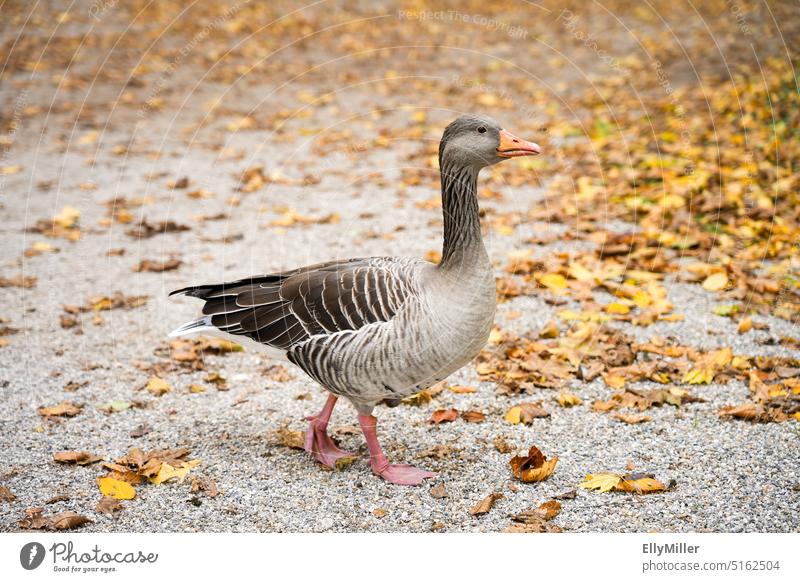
631	483
715	282
115	488
525	413
533	467
473	416
485	504
545	512
109	506
603	482
501	445
157	386
631	418
745	325
146	265
67	409
60	521
167	472
442	415
6	494
462	389
567	399
294	439
439	492
539	526
76	457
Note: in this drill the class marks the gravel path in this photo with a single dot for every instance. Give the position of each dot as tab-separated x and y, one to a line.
730	476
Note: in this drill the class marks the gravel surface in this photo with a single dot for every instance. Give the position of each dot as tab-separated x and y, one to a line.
730	476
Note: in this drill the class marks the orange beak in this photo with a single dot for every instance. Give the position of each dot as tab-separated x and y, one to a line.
513	147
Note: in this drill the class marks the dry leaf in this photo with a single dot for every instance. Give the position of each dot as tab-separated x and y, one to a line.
473	416
157	387
631	418
76	457
533	467
525	413
115	488
567	399
6	494
294	439
67	409
439	492
484	505
146	265
501	445
109	506
441	415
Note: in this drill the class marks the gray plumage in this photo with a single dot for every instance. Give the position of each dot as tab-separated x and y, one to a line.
377	328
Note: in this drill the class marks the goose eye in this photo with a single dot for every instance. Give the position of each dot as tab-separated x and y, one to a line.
481	129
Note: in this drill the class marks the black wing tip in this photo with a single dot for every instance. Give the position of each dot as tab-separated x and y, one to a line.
200	292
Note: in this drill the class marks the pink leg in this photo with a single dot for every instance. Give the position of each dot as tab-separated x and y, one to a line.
318	443
397	474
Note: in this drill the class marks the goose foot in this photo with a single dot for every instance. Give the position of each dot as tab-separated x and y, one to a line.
402	474
319	444
397	474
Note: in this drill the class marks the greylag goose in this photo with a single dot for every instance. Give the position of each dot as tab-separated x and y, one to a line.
380	328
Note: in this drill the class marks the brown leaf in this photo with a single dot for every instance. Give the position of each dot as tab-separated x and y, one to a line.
146	229
6	494
534	467
76	457
441	415
21	282
146	265
68	409
525	413
437	452
67	520
545	512
60	521
439	492
294	439
631	418
501	445
109	506
204	485
539	526
485	504
473	416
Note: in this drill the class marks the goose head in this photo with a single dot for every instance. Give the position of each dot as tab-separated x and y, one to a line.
478	141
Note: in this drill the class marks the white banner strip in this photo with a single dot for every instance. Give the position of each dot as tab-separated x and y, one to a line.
351	557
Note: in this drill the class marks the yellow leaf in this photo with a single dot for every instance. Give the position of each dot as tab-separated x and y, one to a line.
745	325
8	170
603	482
513	414
566	399
553	281
614	380
157	387
715	282
115	488
167	472
641	485
619	308
67	217
463	389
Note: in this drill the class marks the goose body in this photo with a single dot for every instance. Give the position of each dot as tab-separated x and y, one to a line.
371	329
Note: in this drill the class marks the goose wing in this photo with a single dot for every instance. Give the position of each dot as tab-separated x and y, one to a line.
282	310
